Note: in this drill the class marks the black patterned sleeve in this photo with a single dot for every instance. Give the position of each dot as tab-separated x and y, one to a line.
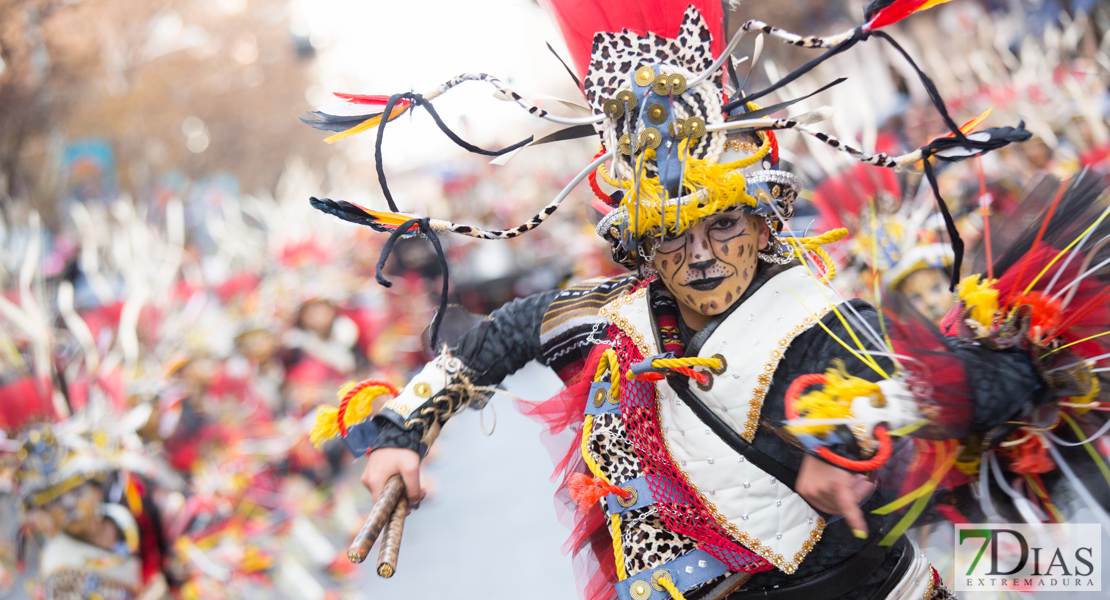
495	348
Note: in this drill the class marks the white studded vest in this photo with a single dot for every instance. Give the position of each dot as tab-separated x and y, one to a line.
761	513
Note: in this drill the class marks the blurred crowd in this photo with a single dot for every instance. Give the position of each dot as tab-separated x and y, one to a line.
166	358
162	356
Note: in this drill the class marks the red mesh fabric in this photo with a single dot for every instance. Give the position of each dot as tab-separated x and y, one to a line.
679	507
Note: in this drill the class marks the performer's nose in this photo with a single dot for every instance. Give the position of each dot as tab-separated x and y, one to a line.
703	265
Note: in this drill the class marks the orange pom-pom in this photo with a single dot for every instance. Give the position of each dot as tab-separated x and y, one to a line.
1045	316
586	490
1031	458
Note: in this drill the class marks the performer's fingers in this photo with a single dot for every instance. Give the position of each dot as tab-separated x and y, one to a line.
852	514
371	479
863	488
410	474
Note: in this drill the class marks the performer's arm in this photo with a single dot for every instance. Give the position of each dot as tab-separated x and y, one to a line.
1002	385
495	348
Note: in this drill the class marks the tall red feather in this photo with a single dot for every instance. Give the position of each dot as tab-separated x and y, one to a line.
898	10
379	99
579	20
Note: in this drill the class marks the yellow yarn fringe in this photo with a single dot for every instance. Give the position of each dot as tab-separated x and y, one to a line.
359	409
723	182
326	426
833	401
725	188
813	244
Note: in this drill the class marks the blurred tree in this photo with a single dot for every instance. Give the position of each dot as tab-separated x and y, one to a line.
197	86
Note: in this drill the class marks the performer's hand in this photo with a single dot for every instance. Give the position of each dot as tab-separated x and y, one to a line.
833	490
384	463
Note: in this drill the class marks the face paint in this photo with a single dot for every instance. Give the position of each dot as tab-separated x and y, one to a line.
77	512
711	265
927	291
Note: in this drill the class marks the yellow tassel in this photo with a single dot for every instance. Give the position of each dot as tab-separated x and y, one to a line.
360	407
326	426
978	294
833	401
725	188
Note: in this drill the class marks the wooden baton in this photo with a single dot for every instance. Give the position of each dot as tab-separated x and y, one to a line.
391	541
727	586
392	494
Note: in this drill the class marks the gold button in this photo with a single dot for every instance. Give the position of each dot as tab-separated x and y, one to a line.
627	98
677	83
656	113
624	145
639	591
678	129
599	398
662	85
644	76
613	109
649	138
724	365
422	390
695	127
658	576
630	500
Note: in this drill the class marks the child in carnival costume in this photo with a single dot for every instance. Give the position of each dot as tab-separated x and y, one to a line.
94	548
729	410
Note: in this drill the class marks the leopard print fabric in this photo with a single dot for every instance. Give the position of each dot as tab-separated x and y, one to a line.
612	450
646	543
614	58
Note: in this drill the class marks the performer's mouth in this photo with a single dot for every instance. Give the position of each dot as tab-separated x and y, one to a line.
704	285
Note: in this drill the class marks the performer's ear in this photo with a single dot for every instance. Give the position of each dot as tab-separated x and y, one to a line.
764	231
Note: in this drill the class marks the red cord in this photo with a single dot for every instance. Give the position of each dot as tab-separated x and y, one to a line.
358	387
796	389
601	195
697	376
885	449
774	154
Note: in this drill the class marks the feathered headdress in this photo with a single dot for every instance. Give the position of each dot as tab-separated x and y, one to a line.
680	136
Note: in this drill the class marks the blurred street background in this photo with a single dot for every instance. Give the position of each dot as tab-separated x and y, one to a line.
167	291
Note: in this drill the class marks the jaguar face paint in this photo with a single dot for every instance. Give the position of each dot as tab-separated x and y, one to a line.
711	265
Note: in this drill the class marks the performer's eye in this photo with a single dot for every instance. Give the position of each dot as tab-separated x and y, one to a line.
726	228
672	244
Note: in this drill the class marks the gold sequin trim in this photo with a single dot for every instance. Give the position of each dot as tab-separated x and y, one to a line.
932	584
764	378
609	312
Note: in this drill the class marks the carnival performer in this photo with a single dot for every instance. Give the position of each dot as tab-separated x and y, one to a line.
732	414
94	548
